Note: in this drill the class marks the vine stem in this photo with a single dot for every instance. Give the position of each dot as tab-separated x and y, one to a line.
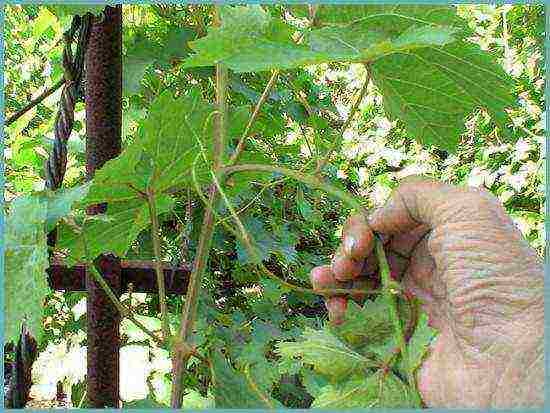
158	269
181	345
240	146
245	238
299	176
35	102
123	310
322	162
390	289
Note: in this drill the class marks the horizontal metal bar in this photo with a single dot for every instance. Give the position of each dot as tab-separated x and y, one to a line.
139	273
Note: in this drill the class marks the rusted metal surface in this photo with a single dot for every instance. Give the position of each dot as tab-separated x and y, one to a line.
104	91
103	337
18	381
140	274
104	140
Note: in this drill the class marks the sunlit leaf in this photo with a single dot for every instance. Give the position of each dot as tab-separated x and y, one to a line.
249	39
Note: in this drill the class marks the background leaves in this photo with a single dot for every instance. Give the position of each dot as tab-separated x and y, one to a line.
247	314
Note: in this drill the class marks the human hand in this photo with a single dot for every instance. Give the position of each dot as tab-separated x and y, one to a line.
479	281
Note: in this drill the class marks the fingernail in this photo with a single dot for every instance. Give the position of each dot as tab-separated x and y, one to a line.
349	245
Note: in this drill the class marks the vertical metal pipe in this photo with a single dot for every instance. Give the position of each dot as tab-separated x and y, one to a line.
104	141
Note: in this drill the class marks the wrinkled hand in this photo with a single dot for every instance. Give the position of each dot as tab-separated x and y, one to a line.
478	280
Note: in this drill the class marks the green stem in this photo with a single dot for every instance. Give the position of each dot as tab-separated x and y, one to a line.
201	260
252	250
240	146
158	267
390	289
346	124
124	311
299	176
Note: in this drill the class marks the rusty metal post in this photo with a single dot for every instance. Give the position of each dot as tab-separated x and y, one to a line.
104	141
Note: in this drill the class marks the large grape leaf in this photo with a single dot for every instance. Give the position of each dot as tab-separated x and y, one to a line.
144	51
162	154
249	39
431	78
233	389
112	232
160	157
391	18
25	283
328	354
28	220
433	90
376	390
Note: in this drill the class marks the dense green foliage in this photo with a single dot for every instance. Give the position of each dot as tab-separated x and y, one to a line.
440	84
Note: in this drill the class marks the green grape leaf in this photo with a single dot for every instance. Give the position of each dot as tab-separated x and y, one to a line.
249	39
148	403
418	345
376	390
163	151
112	232
140	54
144	51
233	389
160	157
134	69
432	90
328	354
25	283
393	18
370	324
60	203
175	44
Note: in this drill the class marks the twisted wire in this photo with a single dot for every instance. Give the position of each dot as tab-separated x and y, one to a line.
73	68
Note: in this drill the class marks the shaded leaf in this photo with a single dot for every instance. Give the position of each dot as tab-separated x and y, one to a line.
174	45
328	355
233	389
376	390
25	283
433	90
